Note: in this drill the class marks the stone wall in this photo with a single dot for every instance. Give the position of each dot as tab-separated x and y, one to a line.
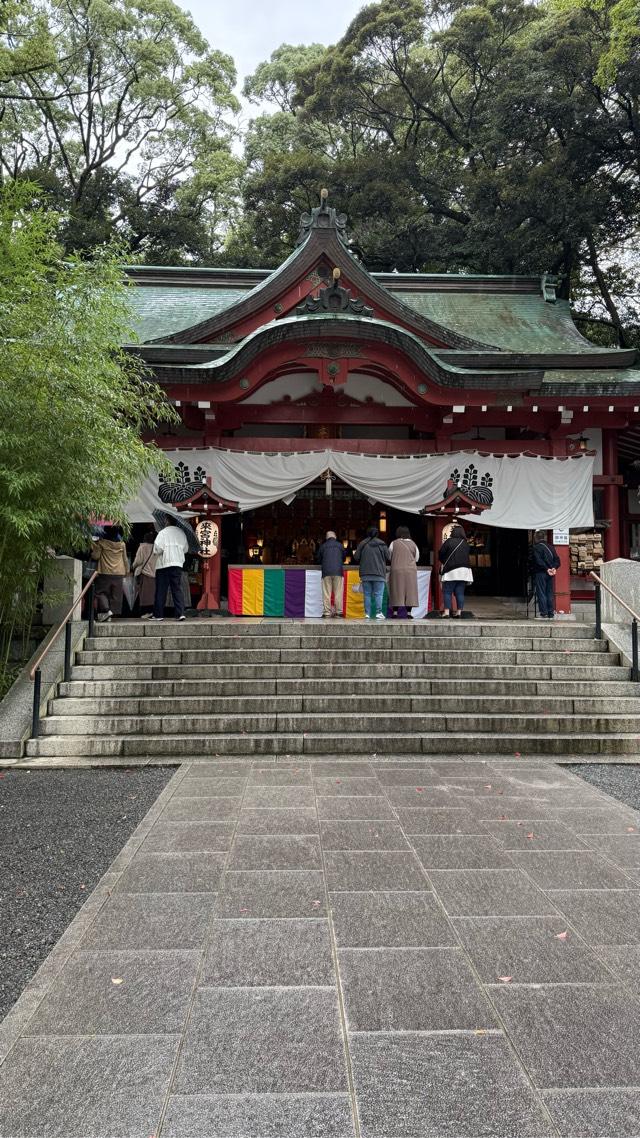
623	576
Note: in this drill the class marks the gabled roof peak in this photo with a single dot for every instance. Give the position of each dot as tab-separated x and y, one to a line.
323	217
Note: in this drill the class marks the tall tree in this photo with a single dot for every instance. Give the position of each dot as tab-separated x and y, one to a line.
120	108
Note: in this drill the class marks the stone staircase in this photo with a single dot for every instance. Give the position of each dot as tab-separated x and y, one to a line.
175	692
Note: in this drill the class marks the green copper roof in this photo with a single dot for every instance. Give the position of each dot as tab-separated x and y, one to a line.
591	381
519	322
159	311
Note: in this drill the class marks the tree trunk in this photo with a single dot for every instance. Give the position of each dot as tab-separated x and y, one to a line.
606	295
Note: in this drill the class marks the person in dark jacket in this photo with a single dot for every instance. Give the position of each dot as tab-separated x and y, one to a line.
455	570
330	555
372	556
543	562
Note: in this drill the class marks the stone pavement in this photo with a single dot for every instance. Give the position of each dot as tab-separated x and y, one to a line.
338	949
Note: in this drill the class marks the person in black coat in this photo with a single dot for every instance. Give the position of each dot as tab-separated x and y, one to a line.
543	562
455	569
373	557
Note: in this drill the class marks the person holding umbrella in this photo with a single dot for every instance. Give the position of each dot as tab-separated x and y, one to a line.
171	547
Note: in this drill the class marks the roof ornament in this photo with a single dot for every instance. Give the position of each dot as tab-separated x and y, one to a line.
323	216
549	282
332	300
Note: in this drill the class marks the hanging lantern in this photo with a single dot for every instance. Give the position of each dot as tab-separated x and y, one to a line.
328	484
208	535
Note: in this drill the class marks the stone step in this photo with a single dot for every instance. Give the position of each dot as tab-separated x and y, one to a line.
347	642
153	656
291	723
356	746
314	628
198	688
348	672
351	704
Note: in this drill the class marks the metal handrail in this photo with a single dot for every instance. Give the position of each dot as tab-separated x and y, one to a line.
635	618
36	674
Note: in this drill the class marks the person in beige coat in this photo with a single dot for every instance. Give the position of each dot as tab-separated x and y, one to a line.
403	579
110	552
144	571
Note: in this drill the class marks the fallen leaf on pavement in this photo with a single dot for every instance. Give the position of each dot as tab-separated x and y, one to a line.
117	980
505	979
562	936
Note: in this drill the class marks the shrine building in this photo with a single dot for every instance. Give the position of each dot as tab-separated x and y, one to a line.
320	396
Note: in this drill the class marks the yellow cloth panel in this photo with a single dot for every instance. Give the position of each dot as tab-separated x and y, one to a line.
252	592
353	602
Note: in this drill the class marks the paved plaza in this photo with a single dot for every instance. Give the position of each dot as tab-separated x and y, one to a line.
337	949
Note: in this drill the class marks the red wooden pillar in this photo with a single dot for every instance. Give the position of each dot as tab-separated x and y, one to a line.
210	599
611	494
562	583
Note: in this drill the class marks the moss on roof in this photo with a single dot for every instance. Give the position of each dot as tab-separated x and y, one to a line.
519	322
159	311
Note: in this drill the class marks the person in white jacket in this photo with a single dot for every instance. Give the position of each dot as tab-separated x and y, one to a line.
171	547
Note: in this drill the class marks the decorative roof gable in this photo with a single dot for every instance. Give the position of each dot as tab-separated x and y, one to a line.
322	246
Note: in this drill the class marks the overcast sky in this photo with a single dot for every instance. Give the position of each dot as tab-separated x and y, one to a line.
249	30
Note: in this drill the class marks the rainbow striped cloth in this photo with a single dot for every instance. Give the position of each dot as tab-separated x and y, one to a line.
277	591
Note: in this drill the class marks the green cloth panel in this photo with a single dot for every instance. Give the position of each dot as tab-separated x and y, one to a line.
274	592
385	603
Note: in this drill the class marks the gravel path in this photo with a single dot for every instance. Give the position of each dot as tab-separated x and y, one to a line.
620	780
59	832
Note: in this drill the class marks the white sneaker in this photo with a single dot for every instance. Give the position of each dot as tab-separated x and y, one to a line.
179	618
367	616
103	617
146	616
157	618
380	616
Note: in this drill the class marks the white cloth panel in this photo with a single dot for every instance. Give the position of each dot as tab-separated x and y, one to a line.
313	606
528	493
424	578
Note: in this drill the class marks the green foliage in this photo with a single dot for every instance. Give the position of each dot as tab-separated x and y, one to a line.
277	80
73	403
122	110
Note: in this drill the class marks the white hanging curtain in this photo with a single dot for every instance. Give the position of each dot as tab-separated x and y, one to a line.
528	493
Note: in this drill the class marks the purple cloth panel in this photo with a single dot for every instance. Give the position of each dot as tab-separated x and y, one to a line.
294	592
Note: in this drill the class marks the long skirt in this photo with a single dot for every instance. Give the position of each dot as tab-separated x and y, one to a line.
146	591
403	588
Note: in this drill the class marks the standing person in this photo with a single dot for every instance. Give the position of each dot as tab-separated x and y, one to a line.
455	569
544	561
403	579
372	555
171	547
144	571
110	553
330	555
